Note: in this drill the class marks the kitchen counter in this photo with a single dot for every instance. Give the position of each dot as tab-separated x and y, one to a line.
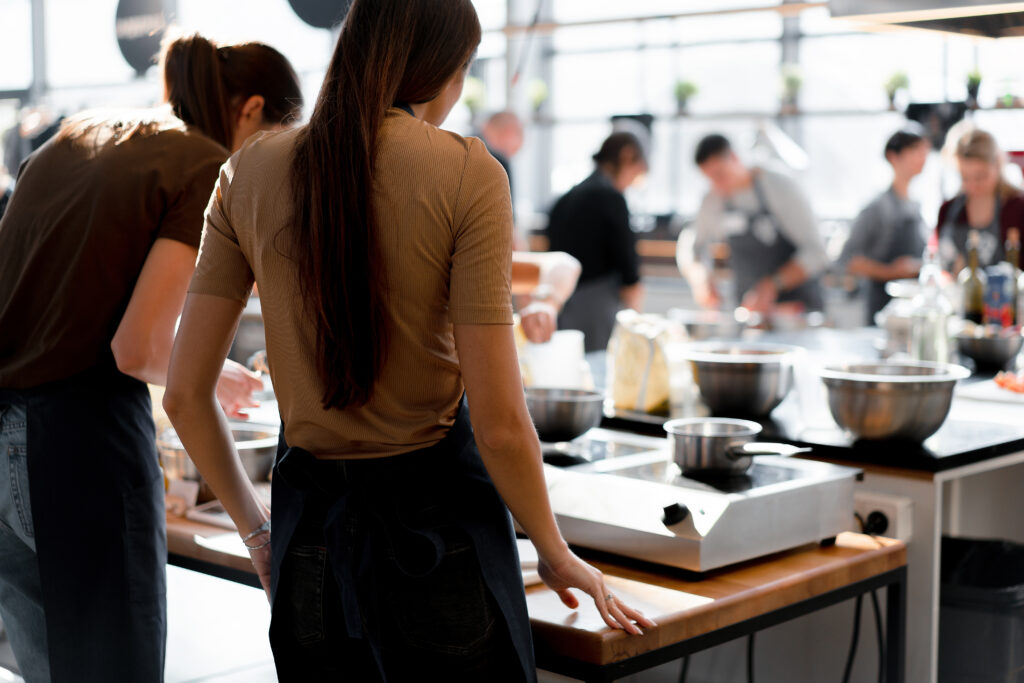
974	431
691	614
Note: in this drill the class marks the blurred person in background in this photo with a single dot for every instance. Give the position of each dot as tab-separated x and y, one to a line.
776	252
96	250
888	236
502	132
382	247
986	202
6	190
591	223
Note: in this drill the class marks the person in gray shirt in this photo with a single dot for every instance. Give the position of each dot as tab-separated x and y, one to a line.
776	252
887	238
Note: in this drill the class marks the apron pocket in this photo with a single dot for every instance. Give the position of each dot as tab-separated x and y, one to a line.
447	610
300	594
145	541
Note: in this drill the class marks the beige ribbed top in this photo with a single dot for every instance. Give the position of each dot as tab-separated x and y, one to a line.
445	232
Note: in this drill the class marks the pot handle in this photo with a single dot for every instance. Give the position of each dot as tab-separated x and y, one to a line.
750	448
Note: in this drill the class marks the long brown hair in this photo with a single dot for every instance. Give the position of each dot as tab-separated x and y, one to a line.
389	51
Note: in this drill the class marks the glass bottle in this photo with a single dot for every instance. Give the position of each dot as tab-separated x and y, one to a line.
973	282
929	319
1017	280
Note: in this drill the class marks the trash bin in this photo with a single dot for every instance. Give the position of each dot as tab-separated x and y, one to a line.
981	621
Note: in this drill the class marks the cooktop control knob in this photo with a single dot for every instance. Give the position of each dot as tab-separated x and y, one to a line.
675	513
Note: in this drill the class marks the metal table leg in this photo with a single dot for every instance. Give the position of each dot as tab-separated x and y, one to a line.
896	628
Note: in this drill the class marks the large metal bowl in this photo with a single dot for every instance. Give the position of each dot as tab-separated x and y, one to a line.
892	400
256	444
742	379
990	352
564	414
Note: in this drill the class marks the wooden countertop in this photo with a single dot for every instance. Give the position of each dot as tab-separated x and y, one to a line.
682	606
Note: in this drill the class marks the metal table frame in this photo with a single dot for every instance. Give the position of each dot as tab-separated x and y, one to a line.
894	581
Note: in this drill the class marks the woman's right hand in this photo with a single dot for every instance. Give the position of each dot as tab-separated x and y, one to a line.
572	572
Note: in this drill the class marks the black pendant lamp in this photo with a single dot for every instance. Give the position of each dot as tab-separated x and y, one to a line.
321	13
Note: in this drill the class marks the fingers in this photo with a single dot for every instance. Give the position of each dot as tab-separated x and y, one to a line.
615	609
568	598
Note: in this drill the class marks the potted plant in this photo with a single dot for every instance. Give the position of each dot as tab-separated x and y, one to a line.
973	85
898	81
538	93
474	95
792	81
684	90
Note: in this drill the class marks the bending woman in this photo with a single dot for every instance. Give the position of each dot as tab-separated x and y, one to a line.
96	251
382	249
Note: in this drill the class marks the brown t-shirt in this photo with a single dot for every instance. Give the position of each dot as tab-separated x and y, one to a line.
444	226
83	217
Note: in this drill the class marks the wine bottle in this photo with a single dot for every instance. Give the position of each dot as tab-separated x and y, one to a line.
1013	258
973	282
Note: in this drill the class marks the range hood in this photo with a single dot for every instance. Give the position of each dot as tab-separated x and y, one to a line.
983	18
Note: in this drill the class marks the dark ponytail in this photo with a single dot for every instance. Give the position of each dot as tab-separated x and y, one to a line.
389	51
206	84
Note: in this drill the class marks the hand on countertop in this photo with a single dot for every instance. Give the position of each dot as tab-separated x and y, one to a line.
572	572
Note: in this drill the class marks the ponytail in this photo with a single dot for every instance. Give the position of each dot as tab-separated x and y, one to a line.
194	86
389	51
205	84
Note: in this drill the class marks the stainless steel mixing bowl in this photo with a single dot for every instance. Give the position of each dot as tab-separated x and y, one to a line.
892	400
256	444
719	445
990	353
742	379
564	414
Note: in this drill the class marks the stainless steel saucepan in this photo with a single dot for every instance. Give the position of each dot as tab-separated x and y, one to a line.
718	444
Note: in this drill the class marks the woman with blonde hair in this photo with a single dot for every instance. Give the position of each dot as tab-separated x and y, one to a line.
987	203
382	247
96	250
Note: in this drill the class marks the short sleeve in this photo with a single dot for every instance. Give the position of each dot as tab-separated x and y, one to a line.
481	271
222	268
183	221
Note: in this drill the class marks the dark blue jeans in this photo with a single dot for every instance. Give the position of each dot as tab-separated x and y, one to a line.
443	624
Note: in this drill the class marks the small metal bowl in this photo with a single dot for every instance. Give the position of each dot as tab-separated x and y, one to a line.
990	352
256	444
564	414
742	379
892	400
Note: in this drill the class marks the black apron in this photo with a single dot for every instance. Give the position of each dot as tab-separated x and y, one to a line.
453	469
591	309
761	249
97	497
953	237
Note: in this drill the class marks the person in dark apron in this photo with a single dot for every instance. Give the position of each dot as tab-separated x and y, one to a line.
887	239
591	223
775	250
108	215
986	203
389	553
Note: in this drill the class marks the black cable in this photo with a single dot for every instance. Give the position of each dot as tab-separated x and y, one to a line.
686	665
853	642
750	658
881	637
526	43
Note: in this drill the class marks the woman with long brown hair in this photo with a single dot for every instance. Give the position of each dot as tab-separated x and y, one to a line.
96	251
987	203
382	249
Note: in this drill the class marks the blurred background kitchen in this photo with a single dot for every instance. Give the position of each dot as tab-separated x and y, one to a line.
819	94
